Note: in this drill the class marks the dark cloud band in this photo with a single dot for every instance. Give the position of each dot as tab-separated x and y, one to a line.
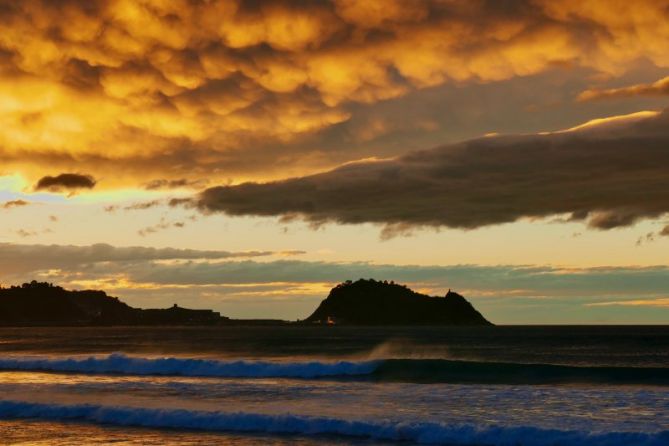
611	173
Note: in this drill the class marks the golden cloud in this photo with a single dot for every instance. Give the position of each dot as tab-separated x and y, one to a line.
658	88
126	88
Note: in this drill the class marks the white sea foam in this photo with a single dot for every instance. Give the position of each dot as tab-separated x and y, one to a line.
119	363
416	432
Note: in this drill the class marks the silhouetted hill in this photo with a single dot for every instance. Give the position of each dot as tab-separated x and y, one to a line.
369	302
38	303
365	302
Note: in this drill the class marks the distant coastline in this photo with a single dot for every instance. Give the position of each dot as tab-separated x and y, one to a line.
361	303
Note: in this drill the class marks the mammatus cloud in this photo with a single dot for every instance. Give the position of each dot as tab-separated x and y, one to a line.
69	182
14	204
610	173
223	89
659	88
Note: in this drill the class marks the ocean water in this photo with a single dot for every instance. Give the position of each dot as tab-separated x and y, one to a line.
511	386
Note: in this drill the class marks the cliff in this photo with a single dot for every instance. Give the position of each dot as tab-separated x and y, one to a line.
370	302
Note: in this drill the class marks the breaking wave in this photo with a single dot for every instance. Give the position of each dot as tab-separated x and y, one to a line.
416	432
400	370
118	363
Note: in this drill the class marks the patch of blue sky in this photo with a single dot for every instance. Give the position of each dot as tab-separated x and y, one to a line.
14	187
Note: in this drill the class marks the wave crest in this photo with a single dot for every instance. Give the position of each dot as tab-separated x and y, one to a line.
399	370
118	363
421	432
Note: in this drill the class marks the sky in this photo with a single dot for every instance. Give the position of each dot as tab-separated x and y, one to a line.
247	156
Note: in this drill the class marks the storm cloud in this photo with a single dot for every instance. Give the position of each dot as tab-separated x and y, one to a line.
609	173
235	89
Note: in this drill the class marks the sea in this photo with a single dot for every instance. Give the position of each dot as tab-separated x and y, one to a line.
318	385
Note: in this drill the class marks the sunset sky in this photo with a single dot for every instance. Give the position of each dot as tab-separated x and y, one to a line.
247	156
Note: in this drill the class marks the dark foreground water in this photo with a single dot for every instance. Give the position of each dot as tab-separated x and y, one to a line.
335	385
